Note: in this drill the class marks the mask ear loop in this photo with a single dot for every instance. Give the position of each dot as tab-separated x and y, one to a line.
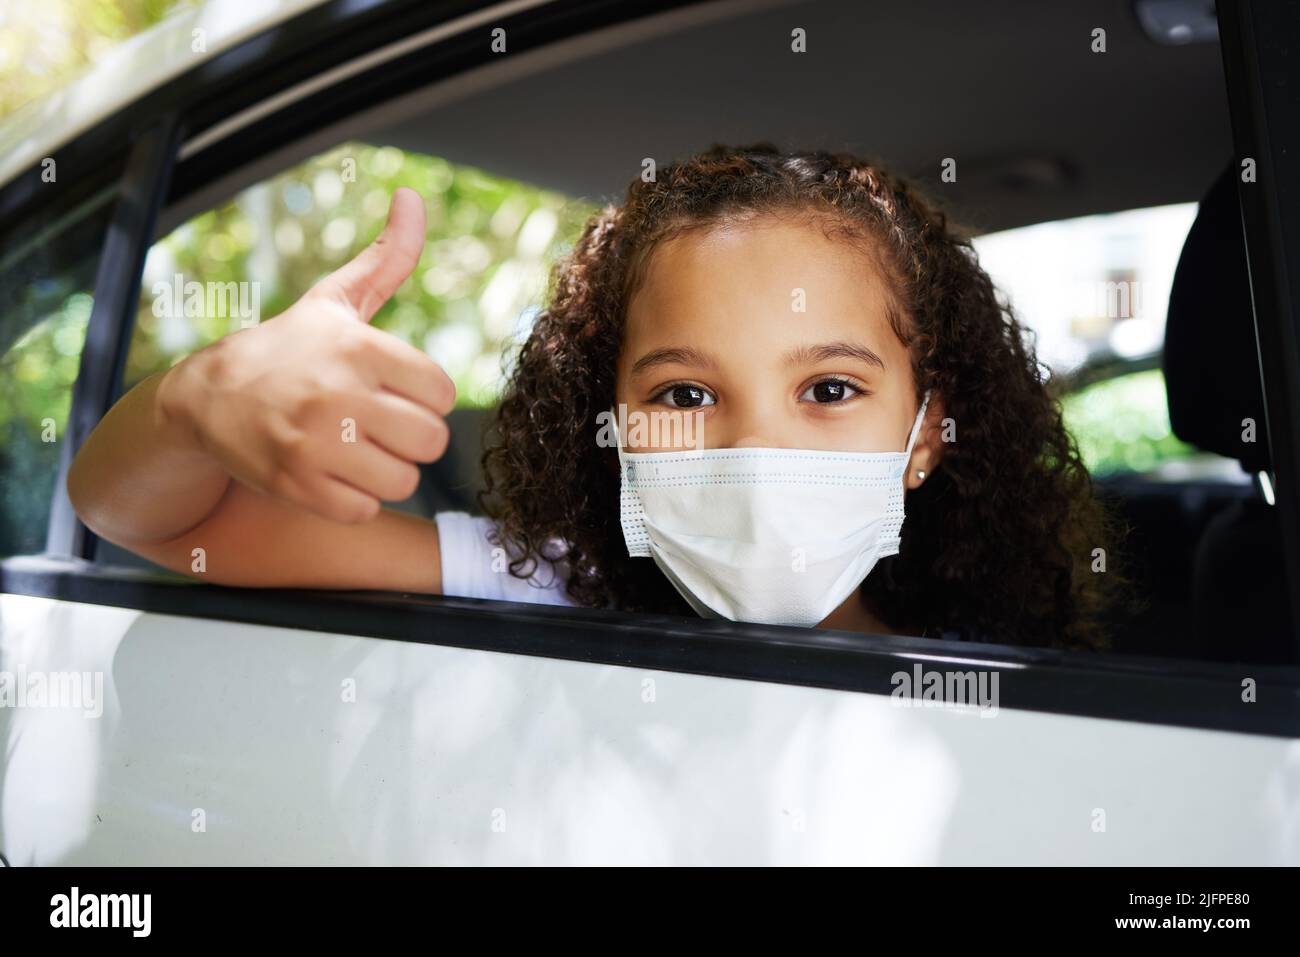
618	439
916	426
631	511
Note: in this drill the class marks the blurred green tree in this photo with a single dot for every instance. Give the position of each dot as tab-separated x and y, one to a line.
44	44
489	247
1122	424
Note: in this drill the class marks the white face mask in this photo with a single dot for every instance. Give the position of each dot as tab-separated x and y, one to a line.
777	536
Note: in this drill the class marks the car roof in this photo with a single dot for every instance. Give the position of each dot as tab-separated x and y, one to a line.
1041	127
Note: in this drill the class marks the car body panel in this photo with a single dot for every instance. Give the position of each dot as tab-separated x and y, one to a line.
461	756
321	745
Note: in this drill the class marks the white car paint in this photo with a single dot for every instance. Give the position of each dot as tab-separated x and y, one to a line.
454	756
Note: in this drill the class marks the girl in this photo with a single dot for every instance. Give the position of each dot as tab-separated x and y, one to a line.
833	339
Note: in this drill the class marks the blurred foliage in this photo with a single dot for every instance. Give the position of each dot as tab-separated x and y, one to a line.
45	44
1122	424
37	373
489	246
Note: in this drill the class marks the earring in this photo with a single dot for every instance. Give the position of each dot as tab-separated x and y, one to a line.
920	475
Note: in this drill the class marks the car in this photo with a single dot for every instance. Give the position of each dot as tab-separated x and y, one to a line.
164	720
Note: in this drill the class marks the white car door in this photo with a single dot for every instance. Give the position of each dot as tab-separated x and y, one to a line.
198	739
146	719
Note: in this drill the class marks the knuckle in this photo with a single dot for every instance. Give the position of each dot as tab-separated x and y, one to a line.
309	409
431	437
325	410
358	509
393	485
353	343
293	453
439	437
218	358
338	512
446	392
408	481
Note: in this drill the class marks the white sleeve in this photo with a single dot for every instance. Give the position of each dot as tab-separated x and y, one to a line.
473	567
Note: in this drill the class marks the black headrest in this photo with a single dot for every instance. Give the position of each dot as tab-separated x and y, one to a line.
1211	362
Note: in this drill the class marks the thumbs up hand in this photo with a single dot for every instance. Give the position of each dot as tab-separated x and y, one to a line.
315	406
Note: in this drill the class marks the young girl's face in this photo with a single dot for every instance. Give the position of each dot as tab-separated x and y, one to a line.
775	336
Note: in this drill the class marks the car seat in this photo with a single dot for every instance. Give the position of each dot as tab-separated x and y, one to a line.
1212	373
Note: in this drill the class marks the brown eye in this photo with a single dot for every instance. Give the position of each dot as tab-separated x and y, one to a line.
828	391
686	397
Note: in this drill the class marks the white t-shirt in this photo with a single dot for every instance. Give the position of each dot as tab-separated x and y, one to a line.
473	567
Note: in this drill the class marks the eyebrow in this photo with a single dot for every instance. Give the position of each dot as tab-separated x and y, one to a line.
687	356
681	356
833	350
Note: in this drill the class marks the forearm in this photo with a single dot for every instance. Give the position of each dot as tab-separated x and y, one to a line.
141	475
144	482
264	458
254	540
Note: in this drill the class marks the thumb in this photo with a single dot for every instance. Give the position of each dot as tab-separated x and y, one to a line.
367	282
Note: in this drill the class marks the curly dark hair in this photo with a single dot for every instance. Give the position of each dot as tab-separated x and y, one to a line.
999	542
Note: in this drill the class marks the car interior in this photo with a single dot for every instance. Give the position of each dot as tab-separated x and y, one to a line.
1056	131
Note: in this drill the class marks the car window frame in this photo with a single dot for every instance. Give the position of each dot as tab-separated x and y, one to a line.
66	242
1183	692
144	182
1263	89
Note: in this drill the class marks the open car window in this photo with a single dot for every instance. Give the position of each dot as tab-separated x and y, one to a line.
490	244
1092	289
271	193
47	285
1095	292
